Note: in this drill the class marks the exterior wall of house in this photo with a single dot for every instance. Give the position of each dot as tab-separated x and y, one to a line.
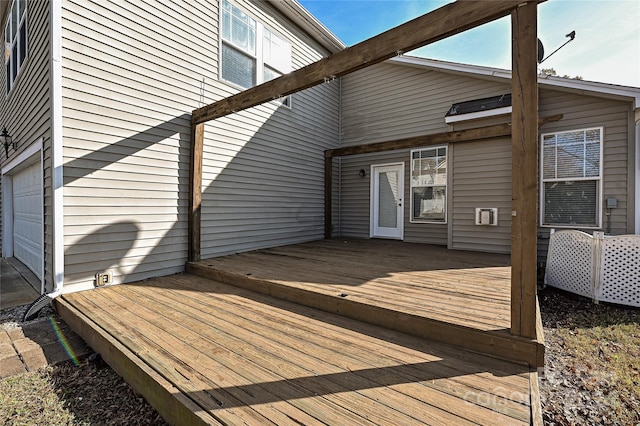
263	168
27	117
132	74
581	111
390	102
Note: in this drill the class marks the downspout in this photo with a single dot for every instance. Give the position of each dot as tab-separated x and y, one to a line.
56	144
637	173
57	214
339	159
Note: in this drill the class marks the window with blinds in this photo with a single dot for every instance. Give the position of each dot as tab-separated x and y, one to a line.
251	53
429	185
571	174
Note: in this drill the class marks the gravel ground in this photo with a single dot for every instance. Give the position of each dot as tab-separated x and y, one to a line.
592	375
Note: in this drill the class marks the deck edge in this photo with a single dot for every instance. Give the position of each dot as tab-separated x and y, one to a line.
175	407
499	345
534	402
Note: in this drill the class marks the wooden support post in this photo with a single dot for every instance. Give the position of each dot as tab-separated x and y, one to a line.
524	138
195	190
328	194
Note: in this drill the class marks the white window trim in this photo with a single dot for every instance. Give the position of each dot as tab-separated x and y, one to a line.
599	179
446	185
258	56
11	80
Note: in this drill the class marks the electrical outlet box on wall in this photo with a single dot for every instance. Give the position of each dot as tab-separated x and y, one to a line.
487	216
104	278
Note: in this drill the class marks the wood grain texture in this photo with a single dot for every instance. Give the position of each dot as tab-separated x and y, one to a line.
457	297
195	191
233	356
524	171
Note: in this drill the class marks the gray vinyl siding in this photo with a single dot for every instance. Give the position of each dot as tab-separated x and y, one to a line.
132	74
581	111
355	199
26	113
263	168
389	102
481	177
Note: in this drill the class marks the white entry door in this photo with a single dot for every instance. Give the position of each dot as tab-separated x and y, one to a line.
387	190
27	217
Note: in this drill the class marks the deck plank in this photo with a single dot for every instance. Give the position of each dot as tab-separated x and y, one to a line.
457	297
234	354
355	355
250	358
395	278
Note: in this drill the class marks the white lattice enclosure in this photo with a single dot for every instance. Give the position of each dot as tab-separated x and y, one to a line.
603	268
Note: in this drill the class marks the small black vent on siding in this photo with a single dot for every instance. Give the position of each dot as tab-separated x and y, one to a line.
478	105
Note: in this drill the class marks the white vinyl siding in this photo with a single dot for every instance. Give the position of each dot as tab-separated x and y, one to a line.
571	170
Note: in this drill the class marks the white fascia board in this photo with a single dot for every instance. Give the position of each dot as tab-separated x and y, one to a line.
613	91
480	114
301	16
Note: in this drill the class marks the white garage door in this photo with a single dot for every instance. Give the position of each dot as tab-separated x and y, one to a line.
27	217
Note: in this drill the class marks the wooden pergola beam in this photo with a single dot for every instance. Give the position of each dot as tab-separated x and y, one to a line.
474	134
444	22
524	192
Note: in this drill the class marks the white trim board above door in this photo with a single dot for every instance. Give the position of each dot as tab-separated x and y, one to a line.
387	201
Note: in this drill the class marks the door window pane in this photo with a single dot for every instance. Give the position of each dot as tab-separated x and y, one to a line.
388	200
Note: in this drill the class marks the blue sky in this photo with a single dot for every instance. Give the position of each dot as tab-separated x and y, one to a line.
606	47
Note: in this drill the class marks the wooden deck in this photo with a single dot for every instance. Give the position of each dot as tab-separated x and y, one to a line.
456	297
203	352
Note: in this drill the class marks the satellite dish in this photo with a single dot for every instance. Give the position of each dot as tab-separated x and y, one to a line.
540	51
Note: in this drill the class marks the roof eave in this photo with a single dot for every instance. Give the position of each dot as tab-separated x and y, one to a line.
582	86
301	16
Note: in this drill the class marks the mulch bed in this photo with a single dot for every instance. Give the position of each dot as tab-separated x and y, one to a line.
592	361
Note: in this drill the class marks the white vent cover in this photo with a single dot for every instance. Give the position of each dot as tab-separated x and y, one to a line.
487	216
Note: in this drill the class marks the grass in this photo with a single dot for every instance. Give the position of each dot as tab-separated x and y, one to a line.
30	399
71	395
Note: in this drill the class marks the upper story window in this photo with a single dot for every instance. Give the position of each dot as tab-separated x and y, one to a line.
15	40
251	53
429	185
571	172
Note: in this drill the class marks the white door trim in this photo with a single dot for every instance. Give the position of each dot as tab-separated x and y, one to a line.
375	231
28	157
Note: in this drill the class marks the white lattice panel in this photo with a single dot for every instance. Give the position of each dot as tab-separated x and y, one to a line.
570	262
620	270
